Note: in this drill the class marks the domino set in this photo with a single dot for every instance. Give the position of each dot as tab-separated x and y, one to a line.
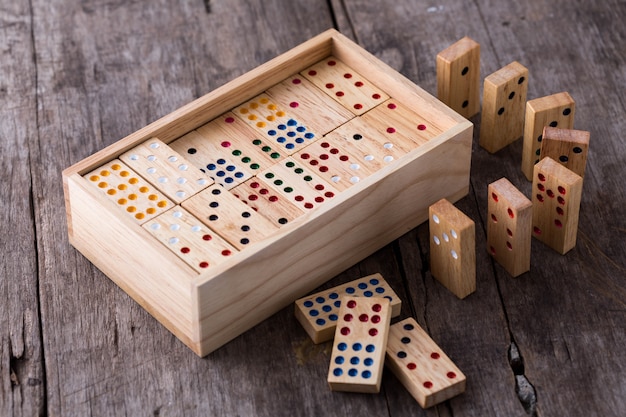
358	315
230	208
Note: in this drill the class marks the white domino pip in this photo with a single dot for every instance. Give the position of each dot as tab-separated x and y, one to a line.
318	313
422	367
358	355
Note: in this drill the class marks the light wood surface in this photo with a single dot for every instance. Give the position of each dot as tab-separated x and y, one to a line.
458	76
504	101
555	110
509	226
422	367
78	76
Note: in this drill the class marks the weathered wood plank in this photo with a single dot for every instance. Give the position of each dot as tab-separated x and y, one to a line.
22	379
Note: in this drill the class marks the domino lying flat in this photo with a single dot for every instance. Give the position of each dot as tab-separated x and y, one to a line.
356	362
318	313
422	367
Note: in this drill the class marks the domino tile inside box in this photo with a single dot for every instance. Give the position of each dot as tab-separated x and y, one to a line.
230	208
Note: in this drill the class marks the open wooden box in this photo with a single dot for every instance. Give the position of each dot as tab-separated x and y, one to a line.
207	309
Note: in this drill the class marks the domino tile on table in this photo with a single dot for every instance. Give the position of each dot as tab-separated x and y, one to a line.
422	367
318	313
358	354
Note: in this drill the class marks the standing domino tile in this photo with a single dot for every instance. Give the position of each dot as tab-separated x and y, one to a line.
189	239
504	98
458	77
422	367
566	146
358	355
129	191
345	85
509	226
556	203
318	313
556	110
226	215
452	248
167	170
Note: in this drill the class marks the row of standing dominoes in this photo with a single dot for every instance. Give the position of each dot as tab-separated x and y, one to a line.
358	314
506	115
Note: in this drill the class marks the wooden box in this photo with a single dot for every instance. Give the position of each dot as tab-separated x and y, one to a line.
205	309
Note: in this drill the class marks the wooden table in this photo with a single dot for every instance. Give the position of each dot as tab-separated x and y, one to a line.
77	76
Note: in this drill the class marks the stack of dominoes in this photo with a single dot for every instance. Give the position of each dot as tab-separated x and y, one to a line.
358	315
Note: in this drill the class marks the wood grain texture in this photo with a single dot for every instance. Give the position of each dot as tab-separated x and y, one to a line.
22	373
80	76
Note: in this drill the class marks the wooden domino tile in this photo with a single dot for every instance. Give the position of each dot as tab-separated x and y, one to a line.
556	203
318	313
566	146
131	193
370	147
298	184
334	163
189	239
458	77
266	201
452	248
422	367
556	110
213	158
166	169
309	104
278	124
358	355
345	85
509	226
243	142
504	98
226	215
396	120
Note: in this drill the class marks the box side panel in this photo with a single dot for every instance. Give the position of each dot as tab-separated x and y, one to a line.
129	256
274	277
